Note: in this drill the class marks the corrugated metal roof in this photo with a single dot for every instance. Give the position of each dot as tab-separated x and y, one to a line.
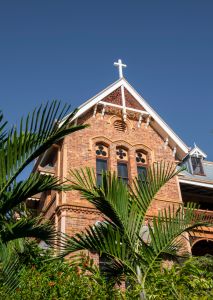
208	170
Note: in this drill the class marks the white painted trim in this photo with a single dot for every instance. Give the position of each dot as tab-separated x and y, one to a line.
121	107
96	99
156	117
208	185
196	150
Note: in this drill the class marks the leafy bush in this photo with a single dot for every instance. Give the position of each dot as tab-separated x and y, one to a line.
192	280
58	279
48	279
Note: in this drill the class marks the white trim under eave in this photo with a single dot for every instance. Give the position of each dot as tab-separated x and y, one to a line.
94	100
123	82
208	185
156	117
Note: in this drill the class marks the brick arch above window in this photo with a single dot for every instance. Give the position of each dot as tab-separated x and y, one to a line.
102	150
99	140
122	153
122	143
141	157
146	150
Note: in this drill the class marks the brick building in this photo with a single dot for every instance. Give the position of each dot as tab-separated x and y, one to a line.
125	135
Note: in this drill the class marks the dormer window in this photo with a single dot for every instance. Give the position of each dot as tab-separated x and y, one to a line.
196	156
197	166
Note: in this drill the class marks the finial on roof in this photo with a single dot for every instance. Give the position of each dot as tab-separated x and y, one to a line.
120	65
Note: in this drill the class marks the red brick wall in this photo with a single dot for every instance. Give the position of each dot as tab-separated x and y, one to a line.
78	150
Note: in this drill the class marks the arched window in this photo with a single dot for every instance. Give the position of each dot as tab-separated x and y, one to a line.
122	164
102	155
142	164
202	247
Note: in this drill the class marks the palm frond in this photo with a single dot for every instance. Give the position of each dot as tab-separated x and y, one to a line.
34	184
9	267
2	129
119	237
125	209
111	198
103	239
145	188
34	136
165	233
29	228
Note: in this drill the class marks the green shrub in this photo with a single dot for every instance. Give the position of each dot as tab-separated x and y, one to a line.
59	280
192	280
46	279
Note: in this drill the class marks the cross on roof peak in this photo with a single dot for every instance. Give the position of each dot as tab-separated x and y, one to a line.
120	65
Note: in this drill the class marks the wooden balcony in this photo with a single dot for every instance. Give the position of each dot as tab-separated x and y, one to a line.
207	214
204	231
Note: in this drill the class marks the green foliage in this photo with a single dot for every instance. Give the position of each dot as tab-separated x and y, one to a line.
193	280
120	237
19	146
190	280
46	278
62	280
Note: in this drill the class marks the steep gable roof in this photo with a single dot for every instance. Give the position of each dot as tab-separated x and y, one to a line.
158	123
197	152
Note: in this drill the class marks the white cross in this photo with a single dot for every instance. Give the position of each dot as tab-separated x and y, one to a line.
120	66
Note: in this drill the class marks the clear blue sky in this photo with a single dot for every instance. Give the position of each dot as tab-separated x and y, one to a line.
66	49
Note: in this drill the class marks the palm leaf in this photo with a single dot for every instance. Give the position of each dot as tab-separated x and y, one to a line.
125	209
33	138
28	228
103	238
120	236
165	233
111	198
145	189
2	129
34	184
9	267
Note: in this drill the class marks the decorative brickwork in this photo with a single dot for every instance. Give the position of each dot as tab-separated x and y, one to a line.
131	101
79	150
114	97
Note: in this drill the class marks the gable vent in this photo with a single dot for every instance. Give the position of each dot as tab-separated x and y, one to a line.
120	126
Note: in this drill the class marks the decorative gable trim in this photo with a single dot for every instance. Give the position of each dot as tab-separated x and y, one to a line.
165	130
158	124
196	151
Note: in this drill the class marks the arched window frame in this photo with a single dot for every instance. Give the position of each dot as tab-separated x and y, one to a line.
142	166
102	160
123	163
